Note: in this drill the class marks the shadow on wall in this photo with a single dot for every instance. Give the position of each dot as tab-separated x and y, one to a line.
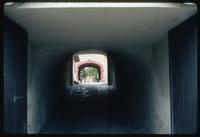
134	82
133	105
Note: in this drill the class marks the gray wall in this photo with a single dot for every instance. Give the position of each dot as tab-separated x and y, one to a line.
183	51
42	86
37	93
143	80
15	78
161	99
135	83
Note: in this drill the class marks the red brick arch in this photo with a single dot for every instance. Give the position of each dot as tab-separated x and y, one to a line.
95	64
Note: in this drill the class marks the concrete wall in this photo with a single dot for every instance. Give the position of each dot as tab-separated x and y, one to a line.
37	95
43	83
143	82
135	84
161	100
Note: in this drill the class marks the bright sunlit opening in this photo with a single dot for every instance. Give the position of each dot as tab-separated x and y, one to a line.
90	68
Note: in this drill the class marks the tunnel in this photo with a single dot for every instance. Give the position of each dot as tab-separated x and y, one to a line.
136	40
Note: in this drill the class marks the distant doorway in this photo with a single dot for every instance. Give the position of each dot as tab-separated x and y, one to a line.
90	67
89	74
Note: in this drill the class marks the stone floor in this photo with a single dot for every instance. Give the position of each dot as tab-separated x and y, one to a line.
91	117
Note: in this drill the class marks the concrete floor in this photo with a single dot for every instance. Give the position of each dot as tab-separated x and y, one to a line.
91	116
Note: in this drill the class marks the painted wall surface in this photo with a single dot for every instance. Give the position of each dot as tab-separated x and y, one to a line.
183	76
161	100
43	70
37	95
133	105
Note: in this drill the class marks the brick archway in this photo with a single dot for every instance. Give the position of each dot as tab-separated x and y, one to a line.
95	64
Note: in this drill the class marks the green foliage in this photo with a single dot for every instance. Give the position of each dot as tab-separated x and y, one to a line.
89	71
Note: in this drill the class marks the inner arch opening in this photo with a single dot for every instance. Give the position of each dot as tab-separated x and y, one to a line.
89	67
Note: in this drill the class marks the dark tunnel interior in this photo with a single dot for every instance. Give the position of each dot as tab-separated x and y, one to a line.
146	93
118	112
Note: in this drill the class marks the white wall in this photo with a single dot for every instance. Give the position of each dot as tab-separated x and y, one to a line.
161	87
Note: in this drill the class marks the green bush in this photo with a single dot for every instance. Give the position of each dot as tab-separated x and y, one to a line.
89	72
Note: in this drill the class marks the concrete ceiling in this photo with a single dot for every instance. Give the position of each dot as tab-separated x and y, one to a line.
93	27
